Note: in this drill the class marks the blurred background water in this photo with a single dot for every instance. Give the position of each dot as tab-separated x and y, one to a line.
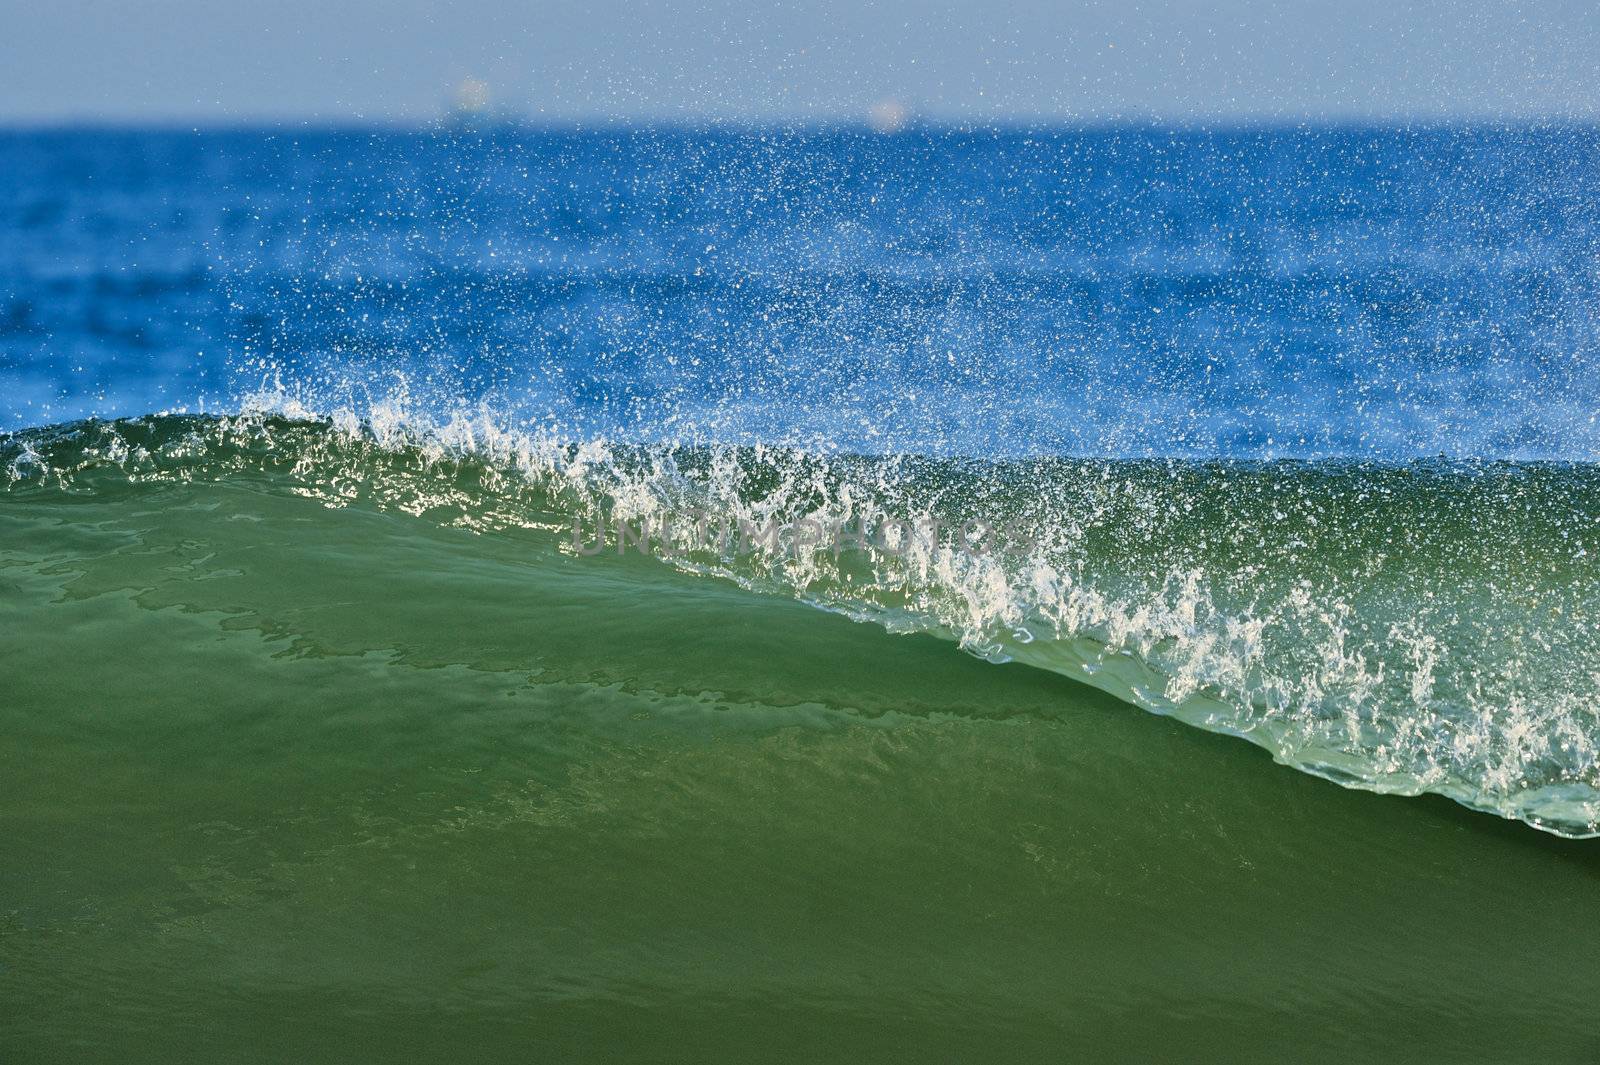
1311	291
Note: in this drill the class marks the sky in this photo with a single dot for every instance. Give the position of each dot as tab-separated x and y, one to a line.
216	62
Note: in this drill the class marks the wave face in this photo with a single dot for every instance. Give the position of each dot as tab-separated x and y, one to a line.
1427	627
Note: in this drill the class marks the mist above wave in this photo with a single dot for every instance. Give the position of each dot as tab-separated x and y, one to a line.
1129	292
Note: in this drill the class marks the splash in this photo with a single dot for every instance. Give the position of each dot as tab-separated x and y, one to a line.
1404	627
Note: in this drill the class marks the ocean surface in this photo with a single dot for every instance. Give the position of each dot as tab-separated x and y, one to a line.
1117	594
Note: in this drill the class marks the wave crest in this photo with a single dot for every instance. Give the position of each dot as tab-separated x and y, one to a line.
1427	627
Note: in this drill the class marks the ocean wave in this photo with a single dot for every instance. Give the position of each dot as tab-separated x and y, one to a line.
1403	628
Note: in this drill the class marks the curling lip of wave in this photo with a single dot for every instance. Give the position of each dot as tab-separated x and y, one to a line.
1404	629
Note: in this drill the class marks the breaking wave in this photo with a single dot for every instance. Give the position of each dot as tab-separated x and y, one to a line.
1427	626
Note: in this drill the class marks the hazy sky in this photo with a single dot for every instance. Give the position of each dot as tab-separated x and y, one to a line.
211	61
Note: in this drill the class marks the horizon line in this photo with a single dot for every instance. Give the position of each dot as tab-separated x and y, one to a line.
513	124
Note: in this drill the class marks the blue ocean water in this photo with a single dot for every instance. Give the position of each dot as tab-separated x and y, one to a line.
1381	293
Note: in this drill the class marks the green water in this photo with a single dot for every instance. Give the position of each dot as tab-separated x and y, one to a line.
285	782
